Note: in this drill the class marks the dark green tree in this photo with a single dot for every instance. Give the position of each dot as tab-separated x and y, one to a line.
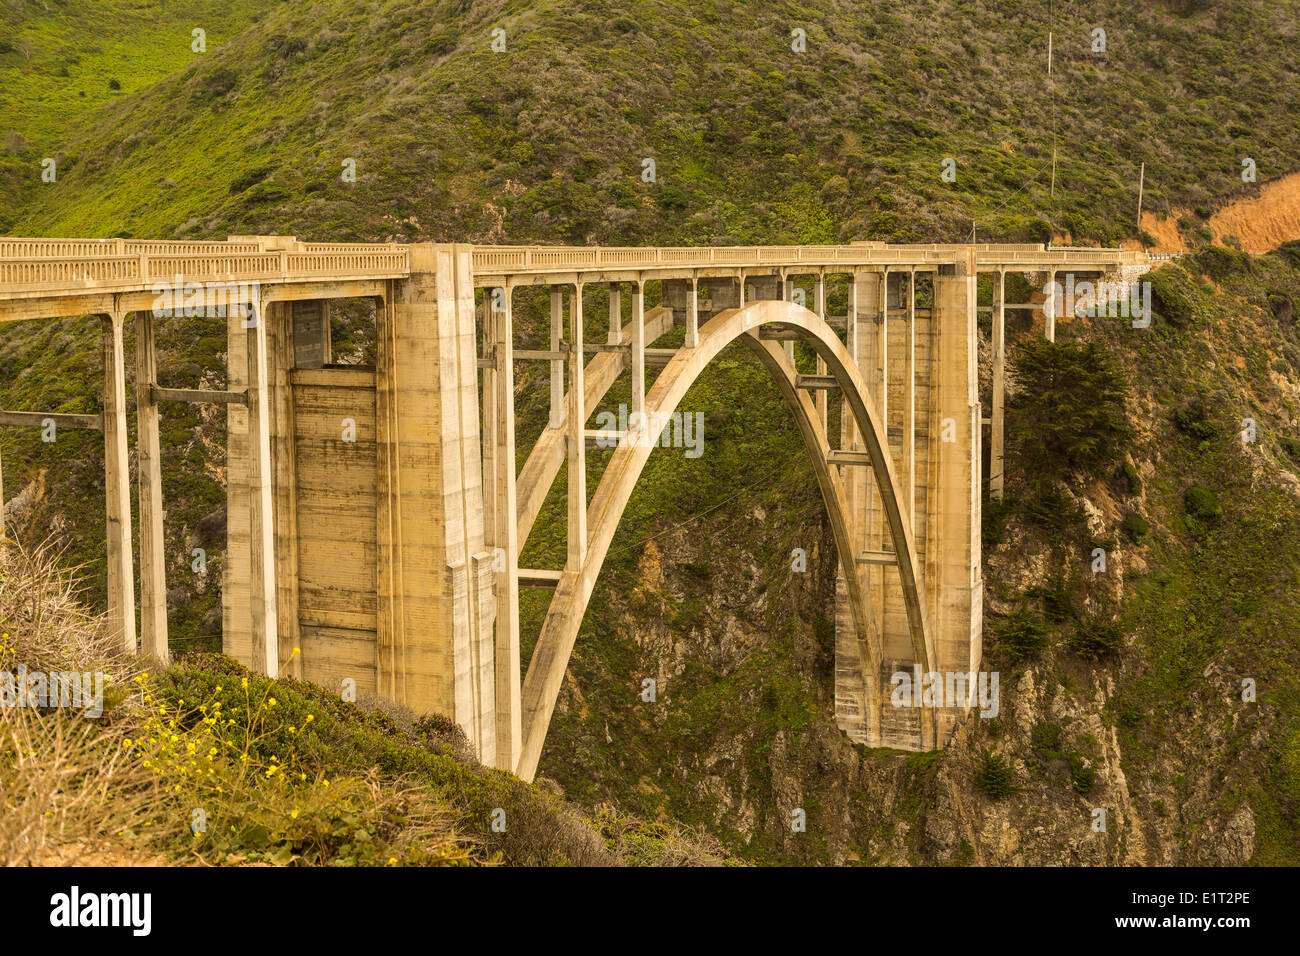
1071	410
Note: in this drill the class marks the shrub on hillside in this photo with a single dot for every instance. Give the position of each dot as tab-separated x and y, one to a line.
994	775
1174	296
1022	633
1193	419
1052	508
1219	262
1058	603
1133	478
1290	251
1283	309
1136	527
1291	446
1046	738
1095	638
1082	776
1202	503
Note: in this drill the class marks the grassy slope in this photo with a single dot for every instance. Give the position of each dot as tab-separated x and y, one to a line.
545	143
752	141
59	57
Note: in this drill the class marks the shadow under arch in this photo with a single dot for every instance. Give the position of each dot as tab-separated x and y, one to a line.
545	677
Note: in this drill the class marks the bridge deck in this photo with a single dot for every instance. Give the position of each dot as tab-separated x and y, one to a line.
59	276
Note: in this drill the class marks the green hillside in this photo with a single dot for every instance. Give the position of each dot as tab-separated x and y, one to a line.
754	142
61	62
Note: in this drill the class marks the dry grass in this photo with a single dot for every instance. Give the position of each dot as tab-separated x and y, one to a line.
120	788
65	780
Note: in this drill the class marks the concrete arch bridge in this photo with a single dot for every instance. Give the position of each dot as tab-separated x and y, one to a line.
375	514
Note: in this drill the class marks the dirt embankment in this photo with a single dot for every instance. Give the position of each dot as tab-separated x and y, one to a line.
1259	223
1265	221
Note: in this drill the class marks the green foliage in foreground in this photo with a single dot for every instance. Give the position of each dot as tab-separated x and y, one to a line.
342	739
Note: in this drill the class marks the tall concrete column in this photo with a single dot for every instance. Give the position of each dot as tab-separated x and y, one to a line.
265	635
819	306
295	330
236	619
1049	309
505	541
857	678
956	590
577	444
153	577
436	651
117	488
998	423
638	356
873	361
909	402
693	317
557	365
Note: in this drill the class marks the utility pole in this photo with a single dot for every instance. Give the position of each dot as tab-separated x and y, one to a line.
1142	175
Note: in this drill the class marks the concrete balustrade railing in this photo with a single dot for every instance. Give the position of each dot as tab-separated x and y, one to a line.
57	266
111	273
368	263
82	248
73	272
534	259
261	265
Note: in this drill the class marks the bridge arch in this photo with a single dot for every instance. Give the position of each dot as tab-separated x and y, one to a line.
542	684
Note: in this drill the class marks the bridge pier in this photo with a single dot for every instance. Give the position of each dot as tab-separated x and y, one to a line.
922	369
396	451
501	528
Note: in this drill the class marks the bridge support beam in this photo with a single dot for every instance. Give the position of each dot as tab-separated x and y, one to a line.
557	365
819	306
638	356
397	598
909	402
265	635
1049	309
955	583
504	541
576	441
857	678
